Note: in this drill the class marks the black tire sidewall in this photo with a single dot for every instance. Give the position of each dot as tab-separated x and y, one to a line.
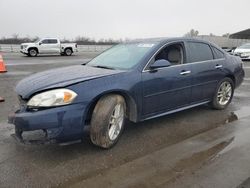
30	53
215	103
65	52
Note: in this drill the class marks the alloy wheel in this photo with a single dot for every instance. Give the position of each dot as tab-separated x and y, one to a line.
224	93
116	122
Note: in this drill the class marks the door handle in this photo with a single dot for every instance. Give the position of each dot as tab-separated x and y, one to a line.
185	72
218	66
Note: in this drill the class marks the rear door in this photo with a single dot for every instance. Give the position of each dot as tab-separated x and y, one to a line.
205	75
54	46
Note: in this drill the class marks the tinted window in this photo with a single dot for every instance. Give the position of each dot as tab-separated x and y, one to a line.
199	52
52	41
45	41
217	53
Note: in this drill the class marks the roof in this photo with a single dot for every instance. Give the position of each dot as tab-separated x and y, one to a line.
164	39
245	34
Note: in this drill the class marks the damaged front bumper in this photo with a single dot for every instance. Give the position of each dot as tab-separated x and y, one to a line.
52	125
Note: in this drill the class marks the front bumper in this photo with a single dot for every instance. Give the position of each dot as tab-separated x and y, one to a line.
60	124
24	51
243	56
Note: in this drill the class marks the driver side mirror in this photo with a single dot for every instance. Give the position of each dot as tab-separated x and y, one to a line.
160	63
40	43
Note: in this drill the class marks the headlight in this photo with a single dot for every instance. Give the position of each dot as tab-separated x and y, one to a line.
24	46
56	97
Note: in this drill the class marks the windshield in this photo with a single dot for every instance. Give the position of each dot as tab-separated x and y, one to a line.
122	56
37	40
245	46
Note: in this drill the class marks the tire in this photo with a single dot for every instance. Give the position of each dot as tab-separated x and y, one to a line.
33	52
223	94
68	52
106	123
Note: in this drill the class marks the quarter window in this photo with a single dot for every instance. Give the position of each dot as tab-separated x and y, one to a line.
217	53
199	52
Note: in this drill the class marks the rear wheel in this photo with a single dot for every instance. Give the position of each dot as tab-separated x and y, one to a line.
107	121
33	52
224	94
68	52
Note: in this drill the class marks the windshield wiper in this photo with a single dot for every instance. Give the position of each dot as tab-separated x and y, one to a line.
103	67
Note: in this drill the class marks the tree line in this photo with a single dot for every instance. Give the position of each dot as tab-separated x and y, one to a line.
195	33
81	40
15	39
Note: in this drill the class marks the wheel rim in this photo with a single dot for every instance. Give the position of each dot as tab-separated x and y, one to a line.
33	52
116	122
68	52
224	93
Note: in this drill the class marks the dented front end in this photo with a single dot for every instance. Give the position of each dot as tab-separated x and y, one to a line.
55	124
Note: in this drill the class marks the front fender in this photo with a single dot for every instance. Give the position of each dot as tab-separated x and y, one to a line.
126	84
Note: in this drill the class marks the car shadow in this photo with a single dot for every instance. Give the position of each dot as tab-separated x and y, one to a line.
50	55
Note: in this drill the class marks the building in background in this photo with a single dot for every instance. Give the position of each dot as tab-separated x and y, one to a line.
224	42
245	34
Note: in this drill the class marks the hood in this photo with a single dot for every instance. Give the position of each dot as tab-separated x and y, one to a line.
29	43
60	77
241	50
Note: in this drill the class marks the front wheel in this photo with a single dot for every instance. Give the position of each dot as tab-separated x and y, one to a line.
224	94
107	121
32	52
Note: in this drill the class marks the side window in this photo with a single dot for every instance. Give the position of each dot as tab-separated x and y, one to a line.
172	53
199	52
45	41
217	53
52	41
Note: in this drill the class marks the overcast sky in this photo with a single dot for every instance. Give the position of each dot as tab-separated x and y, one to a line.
122	18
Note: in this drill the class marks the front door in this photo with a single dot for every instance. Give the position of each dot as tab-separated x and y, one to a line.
44	46
167	88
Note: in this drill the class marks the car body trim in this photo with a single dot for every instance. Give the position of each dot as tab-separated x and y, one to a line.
197	62
173	90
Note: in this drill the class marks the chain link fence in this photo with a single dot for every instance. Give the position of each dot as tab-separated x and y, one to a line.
81	48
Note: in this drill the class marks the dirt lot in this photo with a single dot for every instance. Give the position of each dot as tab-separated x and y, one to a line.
193	148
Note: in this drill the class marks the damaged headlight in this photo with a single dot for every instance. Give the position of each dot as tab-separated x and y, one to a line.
56	97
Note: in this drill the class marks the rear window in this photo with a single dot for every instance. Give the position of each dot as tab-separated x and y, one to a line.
217	53
199	52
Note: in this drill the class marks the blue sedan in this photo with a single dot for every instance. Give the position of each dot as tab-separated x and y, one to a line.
138	80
